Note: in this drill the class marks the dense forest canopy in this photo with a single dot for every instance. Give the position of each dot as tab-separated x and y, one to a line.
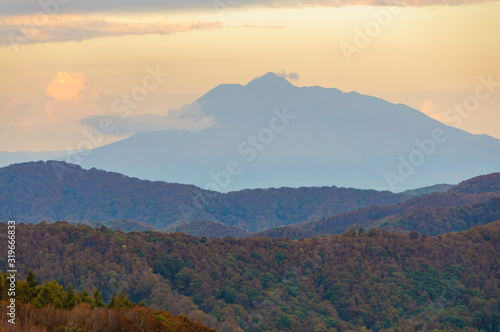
471	203
53	191
373	280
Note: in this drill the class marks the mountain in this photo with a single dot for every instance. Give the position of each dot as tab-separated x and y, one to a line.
357	281
471	203
479	185
270	133
53	191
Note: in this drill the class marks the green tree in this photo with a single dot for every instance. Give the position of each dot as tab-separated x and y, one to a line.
70	298
98	301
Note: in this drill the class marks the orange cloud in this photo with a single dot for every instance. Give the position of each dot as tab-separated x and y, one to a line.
73	97
71	87
51	120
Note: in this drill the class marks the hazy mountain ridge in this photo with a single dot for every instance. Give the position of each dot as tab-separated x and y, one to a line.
275	134
330	137
320	136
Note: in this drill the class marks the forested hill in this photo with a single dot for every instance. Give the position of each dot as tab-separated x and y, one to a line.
473	202
479	185
357	281
53	191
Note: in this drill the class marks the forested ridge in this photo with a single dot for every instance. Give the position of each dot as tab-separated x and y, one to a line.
53	191
373	280
471	203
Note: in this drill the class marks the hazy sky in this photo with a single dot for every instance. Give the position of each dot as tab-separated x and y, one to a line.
67	60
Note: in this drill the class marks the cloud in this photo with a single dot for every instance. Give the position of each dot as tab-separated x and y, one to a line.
339	3
17	7
190	117
67	87
19	30
259	26
51	21
52	120
428	109
71	93
56	119
291	76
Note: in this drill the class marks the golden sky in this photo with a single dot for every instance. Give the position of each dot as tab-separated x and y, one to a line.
61	65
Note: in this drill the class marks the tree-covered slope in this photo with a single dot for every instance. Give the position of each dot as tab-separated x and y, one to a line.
375	280
471	203
54	191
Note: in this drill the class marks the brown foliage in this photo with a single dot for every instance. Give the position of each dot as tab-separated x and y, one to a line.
85	318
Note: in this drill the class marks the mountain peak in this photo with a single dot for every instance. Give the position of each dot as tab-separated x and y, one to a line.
268	80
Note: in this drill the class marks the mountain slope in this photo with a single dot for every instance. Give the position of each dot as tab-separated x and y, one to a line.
471	203
270	133
376	280
479	185
53	191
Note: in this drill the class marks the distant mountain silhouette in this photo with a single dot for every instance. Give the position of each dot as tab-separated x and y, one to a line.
270	133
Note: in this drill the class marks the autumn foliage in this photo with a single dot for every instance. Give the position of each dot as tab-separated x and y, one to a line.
53	191
51	308
373	280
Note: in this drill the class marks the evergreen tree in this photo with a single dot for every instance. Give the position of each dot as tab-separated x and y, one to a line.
98	301
70	298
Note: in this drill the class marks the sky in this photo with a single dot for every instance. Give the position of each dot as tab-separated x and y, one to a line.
66	62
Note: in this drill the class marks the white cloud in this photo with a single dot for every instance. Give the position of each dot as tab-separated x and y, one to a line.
189	118
291	76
